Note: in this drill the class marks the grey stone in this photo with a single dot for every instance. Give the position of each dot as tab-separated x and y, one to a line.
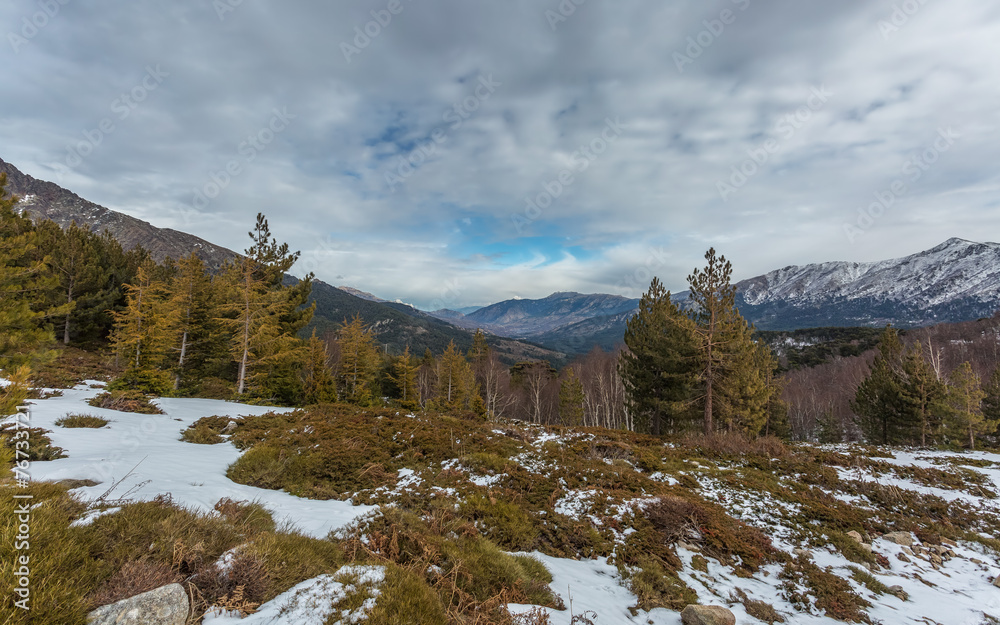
900	538
902	557
856	536
897	591
167	605
950	543
707	615
996	582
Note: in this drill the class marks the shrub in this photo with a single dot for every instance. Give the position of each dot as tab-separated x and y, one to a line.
40	446
250	517
404	598
125	401
133	578
71	367
290	558
505	523
153	382
215	388
81	421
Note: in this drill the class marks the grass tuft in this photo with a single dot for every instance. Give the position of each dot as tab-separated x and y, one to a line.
81	421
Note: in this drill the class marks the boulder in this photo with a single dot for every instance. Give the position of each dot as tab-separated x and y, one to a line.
996	582
902	557
707	615
856	536
167	605
900	538
897	591
950	543
805	554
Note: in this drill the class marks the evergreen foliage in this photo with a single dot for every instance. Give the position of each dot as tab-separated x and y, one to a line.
659	367
883	411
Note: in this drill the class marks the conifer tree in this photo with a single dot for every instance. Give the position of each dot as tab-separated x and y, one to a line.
141	332
74	257
318	385
880	403
359	361
924	393
456	382
991	404
659	367
965	419
190	305
746	391
571	399
404	376
23	278
719	329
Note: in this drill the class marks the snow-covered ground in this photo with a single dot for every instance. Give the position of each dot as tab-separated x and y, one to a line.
147	452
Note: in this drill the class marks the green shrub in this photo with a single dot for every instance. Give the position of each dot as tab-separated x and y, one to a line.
81	421
406	598
125	401
39	446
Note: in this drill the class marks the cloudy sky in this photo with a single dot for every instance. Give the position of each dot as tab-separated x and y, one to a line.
456	153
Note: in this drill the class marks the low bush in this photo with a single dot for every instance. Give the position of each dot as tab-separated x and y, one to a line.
81	421
125	401
39	446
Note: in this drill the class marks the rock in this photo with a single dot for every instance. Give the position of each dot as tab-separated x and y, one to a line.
996	582
805	554
902	557
856	536
936	559
975	560
707	615
167	605
907	550
900	538
897	591
949	542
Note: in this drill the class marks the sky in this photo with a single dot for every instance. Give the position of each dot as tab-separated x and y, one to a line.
454	153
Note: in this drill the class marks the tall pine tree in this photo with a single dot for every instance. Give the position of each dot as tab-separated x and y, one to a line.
659	367
880	404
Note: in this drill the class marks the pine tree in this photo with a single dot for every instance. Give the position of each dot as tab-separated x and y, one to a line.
658	369
24	279
74	256
141	332
719	329
571	399
456	383
746	391
991	404
965	420
190	303
404	376
356	376
318	385
924	393
880	403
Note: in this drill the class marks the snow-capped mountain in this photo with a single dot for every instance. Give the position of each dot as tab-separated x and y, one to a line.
955	281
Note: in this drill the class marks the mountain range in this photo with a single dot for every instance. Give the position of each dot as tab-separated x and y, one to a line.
958	280
395	325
